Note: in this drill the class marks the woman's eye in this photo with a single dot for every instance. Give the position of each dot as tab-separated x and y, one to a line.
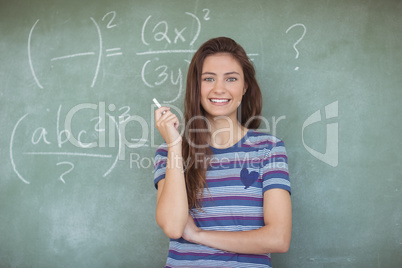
208	79
232	79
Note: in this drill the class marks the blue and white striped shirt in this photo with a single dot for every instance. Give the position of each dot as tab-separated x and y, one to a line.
237	178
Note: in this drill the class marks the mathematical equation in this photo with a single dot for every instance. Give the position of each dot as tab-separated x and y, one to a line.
105	125
110	123
153	31
101	130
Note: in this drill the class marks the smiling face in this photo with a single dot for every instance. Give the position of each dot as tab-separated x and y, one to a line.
222	86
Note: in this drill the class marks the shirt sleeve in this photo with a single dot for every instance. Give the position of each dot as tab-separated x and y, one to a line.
275	173
160	164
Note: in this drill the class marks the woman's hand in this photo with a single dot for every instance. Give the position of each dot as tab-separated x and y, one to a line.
190	230
168	124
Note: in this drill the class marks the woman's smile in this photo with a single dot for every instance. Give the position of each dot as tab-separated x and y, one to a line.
219	101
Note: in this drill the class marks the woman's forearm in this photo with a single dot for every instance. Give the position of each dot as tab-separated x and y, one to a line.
259	241
172	206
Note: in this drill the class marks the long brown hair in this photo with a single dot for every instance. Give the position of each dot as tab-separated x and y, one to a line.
196	150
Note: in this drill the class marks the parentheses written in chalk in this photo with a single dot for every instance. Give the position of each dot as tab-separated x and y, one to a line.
11	149
119	147
100	51
143	74
143	31
30	57
178	33
198	28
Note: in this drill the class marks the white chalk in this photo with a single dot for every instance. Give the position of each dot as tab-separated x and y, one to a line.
157	103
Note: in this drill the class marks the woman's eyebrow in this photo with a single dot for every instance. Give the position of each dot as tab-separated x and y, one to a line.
228	73
208	73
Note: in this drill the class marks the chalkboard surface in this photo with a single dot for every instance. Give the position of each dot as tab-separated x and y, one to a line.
77	79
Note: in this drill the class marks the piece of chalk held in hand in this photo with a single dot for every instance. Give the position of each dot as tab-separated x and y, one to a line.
158	104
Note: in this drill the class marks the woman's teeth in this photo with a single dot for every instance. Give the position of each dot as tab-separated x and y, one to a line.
219	100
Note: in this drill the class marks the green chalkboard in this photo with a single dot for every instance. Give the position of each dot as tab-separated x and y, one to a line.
77	79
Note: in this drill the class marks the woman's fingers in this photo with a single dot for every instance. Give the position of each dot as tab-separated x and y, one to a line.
168	119
165	118
160	112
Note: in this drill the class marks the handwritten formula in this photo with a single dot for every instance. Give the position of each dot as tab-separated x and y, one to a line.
103	137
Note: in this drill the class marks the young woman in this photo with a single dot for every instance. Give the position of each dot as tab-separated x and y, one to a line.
223	188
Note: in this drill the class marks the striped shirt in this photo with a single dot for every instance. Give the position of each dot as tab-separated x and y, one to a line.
237	178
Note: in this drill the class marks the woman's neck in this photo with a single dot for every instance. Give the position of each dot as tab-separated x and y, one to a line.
225	132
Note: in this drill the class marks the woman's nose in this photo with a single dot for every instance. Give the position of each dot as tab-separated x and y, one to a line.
219	86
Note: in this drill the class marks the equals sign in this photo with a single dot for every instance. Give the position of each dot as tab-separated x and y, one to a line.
113	52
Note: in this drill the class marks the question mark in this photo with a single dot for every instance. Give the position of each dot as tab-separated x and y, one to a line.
68	171
298	41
